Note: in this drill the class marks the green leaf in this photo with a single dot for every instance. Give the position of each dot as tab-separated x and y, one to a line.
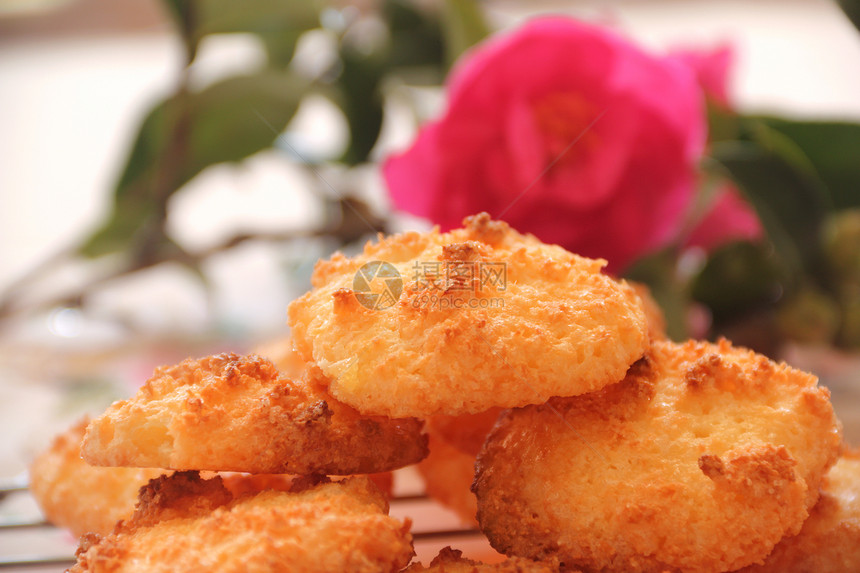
279	23
241	116
414	43
181	11
138	202
852	10
227	121
127	227
737	277
416	36
849	334
465	26
723	124
754	129
842	247
809	316
360	99
659	272
789	201
833	150
280	46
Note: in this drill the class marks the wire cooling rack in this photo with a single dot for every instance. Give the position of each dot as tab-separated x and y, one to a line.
30	544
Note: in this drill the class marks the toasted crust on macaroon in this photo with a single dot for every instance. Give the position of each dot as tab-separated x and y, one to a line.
92	499
452	561
702	459
475	318
282	353
81	497
653	313
466	432
448	474
183	523
449	470
829	541
239	413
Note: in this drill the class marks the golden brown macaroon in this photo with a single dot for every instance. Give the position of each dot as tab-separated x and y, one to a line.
242	484
466	432
282	353
239	413
452	561
91	499
184	523
81	497
449	469
701	459
459	322
653	313
829	541
239	484
448	474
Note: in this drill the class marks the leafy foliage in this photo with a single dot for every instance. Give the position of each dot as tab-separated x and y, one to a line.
789	201
277	23
802	177
182	136
237	117
465	27
852	10
832	149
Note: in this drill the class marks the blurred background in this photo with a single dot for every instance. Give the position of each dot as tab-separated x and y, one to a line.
100	282
171	170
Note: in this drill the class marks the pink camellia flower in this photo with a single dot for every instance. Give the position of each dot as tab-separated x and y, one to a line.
730	218
711	68
566	131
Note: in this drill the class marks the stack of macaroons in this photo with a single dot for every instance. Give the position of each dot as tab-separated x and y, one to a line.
230	413
590	442
460	339
185	523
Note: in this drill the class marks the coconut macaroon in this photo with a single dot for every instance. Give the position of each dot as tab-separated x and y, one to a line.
459	322
449	469
830	539
448	474
239	413
81	497
91	499
452	561
653	312
282	353
466	432
702	459
184	523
